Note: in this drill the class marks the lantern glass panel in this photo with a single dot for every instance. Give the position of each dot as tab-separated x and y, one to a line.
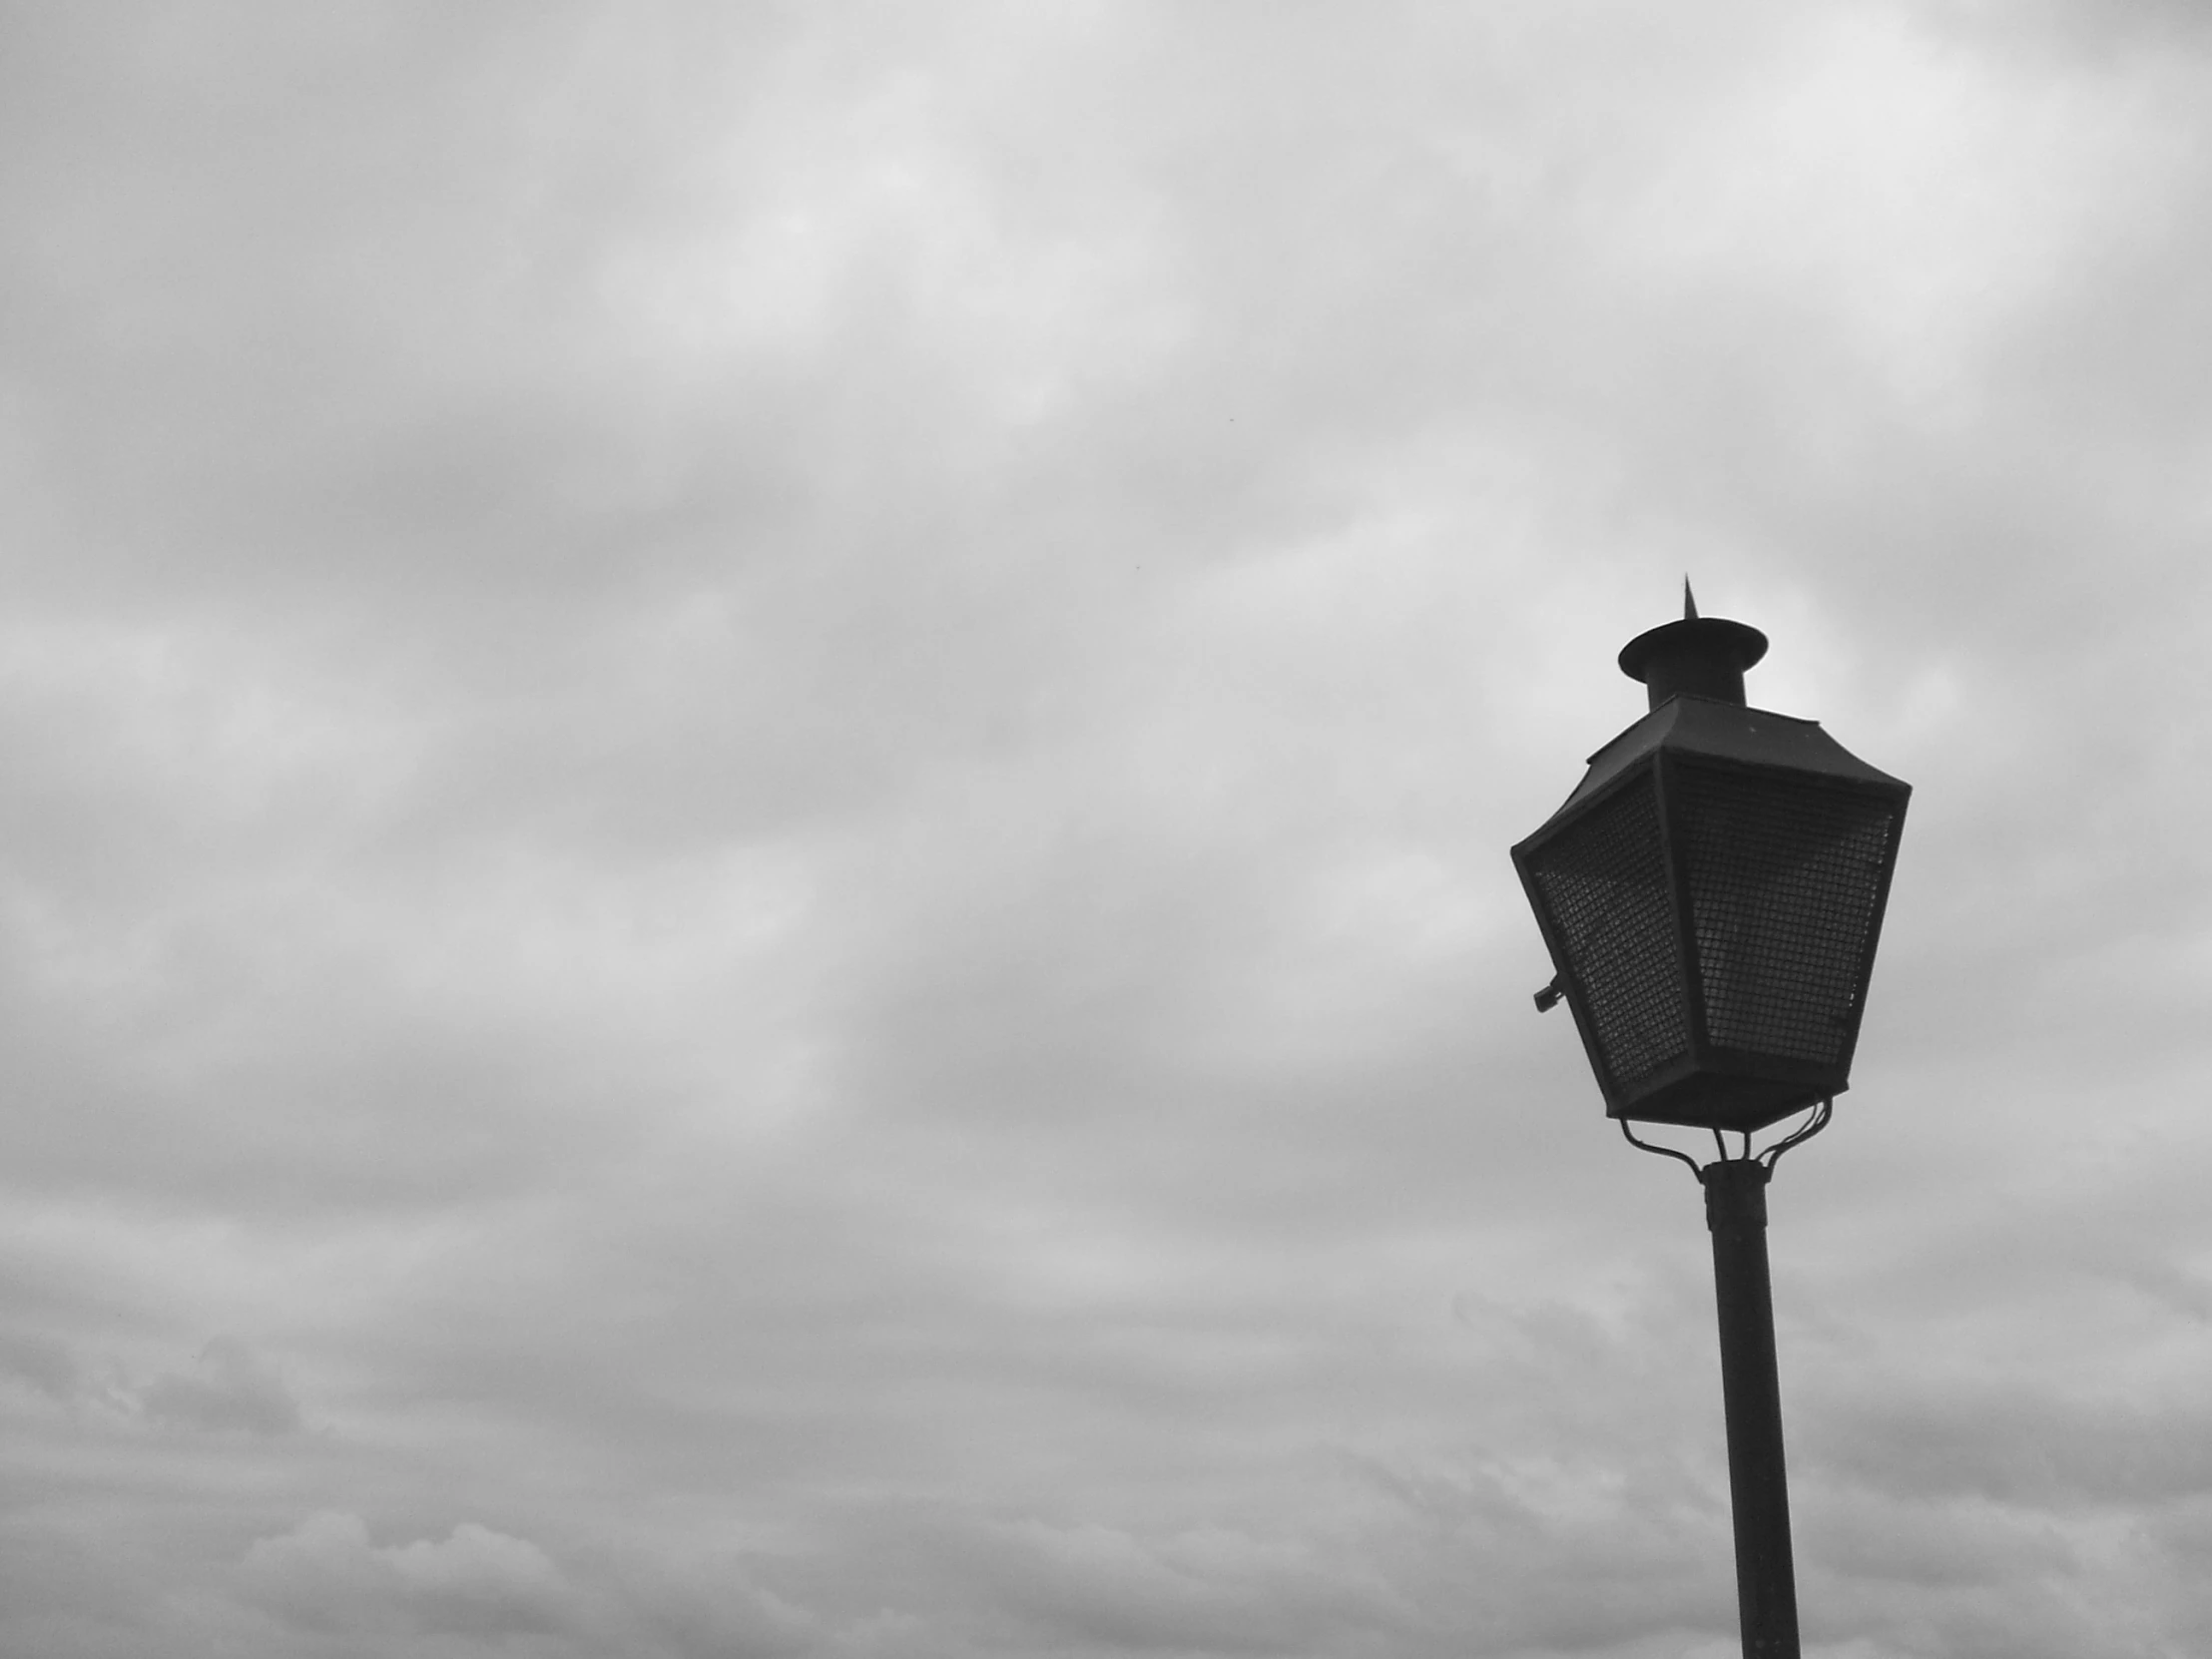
1785	884
1604	878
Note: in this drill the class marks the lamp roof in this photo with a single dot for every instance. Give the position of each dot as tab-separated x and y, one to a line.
1709	729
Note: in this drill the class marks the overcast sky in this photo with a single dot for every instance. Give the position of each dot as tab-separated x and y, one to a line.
755	772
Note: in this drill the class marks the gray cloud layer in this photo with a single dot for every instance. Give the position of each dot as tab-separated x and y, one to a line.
759	764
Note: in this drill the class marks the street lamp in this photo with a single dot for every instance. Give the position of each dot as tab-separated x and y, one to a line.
1712	894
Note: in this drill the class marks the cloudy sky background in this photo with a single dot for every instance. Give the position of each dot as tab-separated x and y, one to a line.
756	765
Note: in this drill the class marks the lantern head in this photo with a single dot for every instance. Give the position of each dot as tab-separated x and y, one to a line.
1712	892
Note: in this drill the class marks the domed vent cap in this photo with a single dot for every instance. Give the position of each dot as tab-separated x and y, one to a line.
1697	656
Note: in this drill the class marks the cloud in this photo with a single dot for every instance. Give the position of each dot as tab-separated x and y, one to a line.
489	1591
1215	1592
230	1389
326	1575
46	1366
2016	1445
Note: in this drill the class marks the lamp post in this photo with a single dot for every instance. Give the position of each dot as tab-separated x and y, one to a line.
1712	894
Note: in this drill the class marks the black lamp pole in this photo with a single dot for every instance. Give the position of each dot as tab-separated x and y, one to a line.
1751	1396
1712	894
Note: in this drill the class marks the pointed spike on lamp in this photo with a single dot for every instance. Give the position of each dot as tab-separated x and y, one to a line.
1712	891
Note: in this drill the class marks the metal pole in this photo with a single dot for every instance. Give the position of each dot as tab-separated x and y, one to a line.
1751	1390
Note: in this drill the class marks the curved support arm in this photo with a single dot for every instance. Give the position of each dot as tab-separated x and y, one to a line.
1663	1151
1766	1160
1804	1132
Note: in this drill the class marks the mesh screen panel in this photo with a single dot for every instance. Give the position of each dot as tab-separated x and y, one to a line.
1605	881
1783	881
